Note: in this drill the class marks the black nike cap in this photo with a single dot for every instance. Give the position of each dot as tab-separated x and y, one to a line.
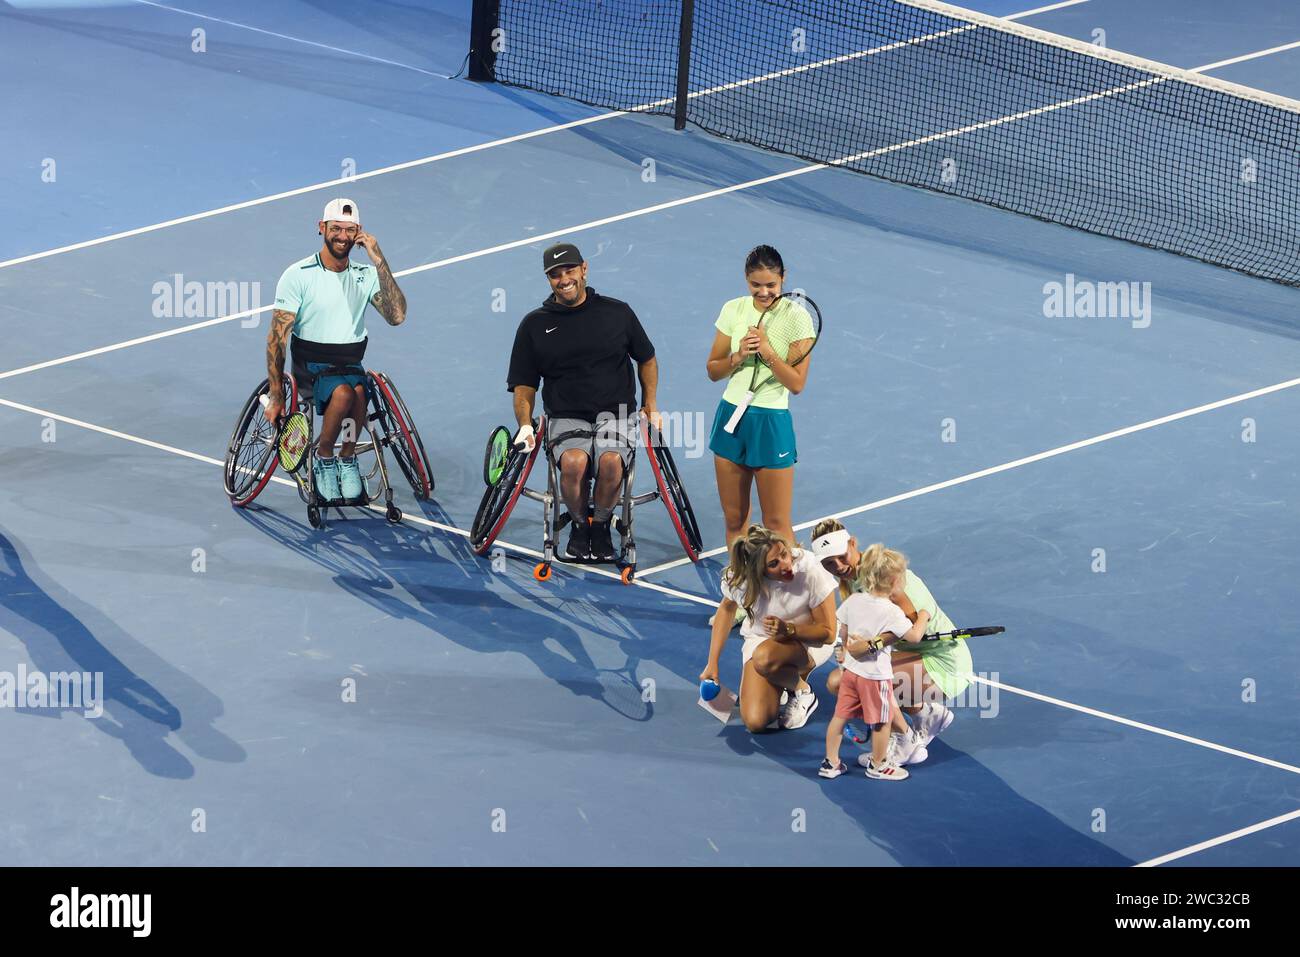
561	254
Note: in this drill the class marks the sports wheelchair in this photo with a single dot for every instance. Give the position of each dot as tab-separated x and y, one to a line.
252	456
505	472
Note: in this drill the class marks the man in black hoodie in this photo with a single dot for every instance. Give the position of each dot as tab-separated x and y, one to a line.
582	346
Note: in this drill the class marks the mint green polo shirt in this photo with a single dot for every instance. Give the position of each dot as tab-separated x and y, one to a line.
327	306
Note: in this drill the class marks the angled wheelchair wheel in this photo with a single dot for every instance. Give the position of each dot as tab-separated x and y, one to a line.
251	455
671	491
499	500
395	422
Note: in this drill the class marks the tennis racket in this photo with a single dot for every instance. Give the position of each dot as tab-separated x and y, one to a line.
961	634
791	318
292	438
931	643
494	458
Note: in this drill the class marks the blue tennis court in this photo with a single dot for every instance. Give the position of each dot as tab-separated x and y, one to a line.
1117	491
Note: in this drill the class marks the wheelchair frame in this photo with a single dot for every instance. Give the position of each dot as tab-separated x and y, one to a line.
382	401
551	499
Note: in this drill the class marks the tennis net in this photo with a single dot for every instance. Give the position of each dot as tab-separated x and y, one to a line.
939	97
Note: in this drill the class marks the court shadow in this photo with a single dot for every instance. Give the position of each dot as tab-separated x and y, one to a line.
438	583
969	814
63	634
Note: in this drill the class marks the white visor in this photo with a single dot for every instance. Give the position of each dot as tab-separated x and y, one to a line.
831	545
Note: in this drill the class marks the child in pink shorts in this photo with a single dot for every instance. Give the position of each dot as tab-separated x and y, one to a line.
870	623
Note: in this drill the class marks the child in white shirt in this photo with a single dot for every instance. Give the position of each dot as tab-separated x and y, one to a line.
870	623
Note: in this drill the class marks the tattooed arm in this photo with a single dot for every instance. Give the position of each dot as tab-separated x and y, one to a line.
277	342
389	300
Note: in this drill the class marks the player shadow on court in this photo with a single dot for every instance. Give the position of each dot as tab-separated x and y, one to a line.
63	634
389	568
990	824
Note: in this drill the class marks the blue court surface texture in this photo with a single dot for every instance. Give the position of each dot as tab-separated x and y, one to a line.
1137	714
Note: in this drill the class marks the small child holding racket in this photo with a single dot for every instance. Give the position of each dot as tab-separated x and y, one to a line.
870	623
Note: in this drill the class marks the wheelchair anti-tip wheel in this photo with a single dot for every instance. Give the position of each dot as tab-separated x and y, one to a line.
251	454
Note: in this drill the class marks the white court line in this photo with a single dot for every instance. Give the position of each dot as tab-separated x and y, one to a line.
1016	463
1141	726
678	594
1221	839
697	197
1047	9
342	180
1246	56
412	163
419	519
644	211
285	36
463	257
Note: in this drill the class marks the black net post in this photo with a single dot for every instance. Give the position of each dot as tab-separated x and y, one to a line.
482	56
683	63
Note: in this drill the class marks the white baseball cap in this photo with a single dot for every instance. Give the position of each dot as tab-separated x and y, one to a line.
341	211
831	545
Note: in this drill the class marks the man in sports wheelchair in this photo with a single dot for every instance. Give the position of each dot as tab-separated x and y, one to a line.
580	346
320	304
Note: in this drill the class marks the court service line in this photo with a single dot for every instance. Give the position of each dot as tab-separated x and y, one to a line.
149	443
285	36
1016	463
1221	839
419	519
644	211
425	267
451	154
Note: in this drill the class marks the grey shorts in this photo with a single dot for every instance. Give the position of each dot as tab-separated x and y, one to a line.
611	434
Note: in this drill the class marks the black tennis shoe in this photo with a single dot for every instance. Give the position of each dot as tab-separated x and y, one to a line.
579	542
602	546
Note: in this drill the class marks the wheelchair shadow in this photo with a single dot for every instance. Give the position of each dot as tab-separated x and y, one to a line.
388	568
65	635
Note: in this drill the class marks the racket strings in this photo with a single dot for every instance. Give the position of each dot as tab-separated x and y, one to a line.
293	441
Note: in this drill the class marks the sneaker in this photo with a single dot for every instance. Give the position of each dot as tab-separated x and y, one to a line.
934	719
887	772
349	478
326	474
602	546
579	542
902	750
829	771
798	709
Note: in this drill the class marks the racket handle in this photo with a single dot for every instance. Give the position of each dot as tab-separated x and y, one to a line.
734	421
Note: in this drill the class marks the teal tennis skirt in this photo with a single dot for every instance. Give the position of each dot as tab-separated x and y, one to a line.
764	439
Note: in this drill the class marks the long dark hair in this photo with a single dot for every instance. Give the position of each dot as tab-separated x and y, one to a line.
764	257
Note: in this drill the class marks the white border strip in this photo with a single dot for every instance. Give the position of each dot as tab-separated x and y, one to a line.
1221	839
1016	463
